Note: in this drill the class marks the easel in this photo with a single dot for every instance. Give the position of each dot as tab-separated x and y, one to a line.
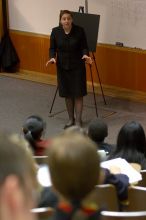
81	9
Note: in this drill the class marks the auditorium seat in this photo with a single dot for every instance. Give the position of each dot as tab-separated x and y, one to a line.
136	199
107	215
106	197
40	159
43	213
143	181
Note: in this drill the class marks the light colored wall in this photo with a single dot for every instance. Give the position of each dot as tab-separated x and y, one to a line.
38	16
121	20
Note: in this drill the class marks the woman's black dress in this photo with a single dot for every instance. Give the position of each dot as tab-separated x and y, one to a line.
71	71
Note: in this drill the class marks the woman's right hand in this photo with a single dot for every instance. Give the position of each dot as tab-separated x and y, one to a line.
52	60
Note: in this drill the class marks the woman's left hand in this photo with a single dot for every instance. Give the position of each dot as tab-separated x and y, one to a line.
88	59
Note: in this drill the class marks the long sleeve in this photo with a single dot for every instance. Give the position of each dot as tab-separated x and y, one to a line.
53	48
120	181
84	44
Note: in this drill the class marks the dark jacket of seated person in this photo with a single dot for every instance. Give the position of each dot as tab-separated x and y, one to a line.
120	181
131	144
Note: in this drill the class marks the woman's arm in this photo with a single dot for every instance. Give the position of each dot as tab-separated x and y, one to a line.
52	49
53	46
84	47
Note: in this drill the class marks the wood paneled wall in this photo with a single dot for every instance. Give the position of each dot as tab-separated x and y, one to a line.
122	67
118	67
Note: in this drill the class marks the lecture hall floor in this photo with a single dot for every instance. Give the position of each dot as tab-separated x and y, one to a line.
21	98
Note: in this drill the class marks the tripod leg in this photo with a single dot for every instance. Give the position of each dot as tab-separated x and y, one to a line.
53	100
99	78
93	91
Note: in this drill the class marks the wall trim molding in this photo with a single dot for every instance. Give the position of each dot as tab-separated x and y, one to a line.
27	33
111	91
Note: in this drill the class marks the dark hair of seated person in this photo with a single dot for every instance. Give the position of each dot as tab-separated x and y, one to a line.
98	131
33	128
131	144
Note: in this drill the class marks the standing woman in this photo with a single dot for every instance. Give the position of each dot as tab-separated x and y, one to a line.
69	50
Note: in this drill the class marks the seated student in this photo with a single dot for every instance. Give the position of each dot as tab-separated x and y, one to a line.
131	144
74	169
33	128
49	197
98	131
17	180
120	181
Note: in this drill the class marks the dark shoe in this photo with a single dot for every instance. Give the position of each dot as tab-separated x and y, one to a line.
69	124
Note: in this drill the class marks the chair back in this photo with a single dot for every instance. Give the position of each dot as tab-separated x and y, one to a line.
143	181
106	197
40	159
43	213
136	199
107	215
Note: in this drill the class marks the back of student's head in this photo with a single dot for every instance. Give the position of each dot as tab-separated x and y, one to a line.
131	137
74	165
18	185
97	130
33	128
15	159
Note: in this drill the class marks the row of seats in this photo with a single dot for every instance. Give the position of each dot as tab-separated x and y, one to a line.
46	214
135	204
107	199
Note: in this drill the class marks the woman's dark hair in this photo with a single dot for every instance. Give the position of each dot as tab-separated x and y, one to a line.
33	129
62	12
131	142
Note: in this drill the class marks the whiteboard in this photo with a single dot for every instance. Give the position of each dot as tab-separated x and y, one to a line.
120	20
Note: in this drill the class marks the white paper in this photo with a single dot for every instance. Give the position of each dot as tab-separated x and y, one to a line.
43	176
125	168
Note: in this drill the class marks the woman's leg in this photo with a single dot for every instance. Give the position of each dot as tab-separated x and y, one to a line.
70	109
79	110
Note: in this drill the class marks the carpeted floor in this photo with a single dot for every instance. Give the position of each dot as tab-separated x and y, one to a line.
20	99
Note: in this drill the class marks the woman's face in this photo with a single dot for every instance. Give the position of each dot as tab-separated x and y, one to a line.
66	21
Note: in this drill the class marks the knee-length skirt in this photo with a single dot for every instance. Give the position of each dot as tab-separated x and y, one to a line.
72	83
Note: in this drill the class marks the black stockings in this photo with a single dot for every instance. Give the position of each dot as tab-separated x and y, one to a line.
77	105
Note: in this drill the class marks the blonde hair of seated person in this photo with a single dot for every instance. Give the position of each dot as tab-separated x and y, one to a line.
74	165
17	179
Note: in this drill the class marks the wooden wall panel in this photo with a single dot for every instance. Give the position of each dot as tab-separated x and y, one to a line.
118	67
122	67
32	50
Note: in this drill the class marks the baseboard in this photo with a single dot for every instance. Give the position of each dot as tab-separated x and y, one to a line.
121	93
108	90
33	76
